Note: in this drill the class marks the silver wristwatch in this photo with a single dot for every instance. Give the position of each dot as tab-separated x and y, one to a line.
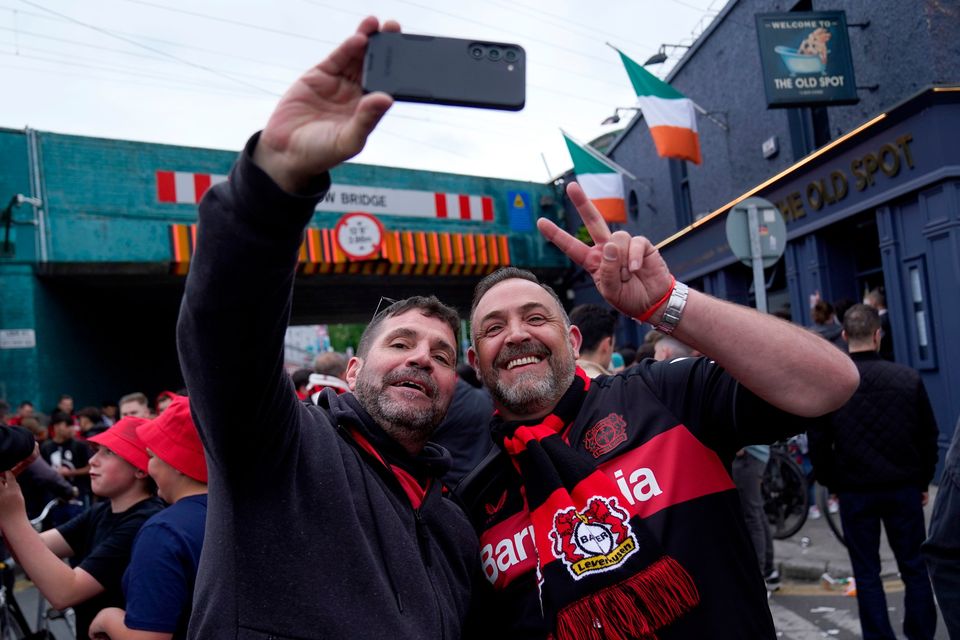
675	305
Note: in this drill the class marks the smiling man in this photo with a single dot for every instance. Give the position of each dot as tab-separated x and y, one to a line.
325	520
609	512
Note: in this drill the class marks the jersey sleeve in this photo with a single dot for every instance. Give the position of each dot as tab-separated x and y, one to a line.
720	411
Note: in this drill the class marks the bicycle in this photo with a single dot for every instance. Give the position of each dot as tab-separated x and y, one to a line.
786	500
833	519
13	623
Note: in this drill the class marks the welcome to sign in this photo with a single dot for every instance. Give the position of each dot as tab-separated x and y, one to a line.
806	59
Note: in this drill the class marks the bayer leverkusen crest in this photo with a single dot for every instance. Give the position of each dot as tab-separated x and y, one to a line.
594	540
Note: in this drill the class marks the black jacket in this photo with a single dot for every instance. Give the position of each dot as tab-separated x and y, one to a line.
308	535
885	437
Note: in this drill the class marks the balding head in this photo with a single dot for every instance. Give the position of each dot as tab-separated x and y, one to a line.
669	348
331	363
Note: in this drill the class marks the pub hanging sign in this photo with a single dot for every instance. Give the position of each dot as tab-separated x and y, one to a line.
806	59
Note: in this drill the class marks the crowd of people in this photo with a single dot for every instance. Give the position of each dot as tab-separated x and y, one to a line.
592	503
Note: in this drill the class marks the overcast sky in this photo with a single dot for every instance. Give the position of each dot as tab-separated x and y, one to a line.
207	73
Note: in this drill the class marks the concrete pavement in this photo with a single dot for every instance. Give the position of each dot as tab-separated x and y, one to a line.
814	550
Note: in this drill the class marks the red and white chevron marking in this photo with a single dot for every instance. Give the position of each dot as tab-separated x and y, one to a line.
187	188
183	187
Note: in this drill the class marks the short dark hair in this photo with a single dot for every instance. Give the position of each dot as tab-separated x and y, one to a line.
25	403
821	312
429	306
595	322
860	322
60	416
90	413
300	377
511	273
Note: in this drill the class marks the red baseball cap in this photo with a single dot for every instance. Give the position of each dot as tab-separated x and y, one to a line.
122	439
173	438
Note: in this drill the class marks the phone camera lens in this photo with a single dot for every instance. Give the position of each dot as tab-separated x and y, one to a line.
476	52
510	55
494	53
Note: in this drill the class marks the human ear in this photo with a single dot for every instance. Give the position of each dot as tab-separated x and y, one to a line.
473	359
576	339
353	370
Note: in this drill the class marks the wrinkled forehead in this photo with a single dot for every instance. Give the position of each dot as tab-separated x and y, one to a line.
510	296
414	323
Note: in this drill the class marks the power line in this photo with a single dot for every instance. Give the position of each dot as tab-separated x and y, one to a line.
113	50
561	22
204	88
173	43
538	63
236	23
147	47
86	63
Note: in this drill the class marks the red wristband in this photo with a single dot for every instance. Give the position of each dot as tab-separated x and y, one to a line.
652	310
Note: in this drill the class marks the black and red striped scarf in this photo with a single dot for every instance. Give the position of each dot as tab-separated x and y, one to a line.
600	572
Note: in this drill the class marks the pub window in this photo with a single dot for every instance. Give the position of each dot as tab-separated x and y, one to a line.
918	307
633	205
682	202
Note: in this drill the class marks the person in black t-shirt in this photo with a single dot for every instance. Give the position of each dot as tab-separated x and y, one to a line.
68	456
99	539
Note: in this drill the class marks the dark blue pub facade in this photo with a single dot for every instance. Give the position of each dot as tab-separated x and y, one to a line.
877	207
870	191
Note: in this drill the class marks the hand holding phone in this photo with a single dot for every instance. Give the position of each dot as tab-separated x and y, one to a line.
451	71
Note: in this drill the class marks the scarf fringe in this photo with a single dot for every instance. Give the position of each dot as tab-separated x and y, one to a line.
633	609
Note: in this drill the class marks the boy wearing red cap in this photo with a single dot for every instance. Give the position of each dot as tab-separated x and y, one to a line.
159	582
99	539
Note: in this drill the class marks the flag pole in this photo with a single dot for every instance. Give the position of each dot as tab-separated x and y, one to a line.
699	109
600	157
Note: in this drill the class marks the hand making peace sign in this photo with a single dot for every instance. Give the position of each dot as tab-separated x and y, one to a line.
628	271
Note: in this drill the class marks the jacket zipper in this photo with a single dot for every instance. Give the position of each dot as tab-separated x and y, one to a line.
423	541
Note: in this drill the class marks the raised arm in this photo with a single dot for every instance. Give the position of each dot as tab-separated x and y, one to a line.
789	367
37	554
239	290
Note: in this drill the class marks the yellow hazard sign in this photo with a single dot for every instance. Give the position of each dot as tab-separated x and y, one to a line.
518	202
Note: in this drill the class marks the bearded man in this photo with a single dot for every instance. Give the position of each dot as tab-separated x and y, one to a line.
609	511
325	521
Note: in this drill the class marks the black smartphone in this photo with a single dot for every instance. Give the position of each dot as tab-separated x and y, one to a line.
453	71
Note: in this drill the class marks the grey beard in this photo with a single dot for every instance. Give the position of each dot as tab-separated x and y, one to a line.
403	423
531	394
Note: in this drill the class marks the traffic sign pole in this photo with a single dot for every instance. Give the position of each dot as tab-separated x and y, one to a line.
757	236
756	254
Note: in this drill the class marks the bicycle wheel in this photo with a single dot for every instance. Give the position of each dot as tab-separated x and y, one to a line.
833	519
785	498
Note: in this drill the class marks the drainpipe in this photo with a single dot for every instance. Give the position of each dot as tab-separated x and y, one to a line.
37	190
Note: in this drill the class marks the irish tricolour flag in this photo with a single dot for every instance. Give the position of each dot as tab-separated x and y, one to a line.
600	179
669	114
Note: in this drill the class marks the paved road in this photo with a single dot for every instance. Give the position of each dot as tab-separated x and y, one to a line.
806	611
801	611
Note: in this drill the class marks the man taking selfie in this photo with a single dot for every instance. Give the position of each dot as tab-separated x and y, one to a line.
325	521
